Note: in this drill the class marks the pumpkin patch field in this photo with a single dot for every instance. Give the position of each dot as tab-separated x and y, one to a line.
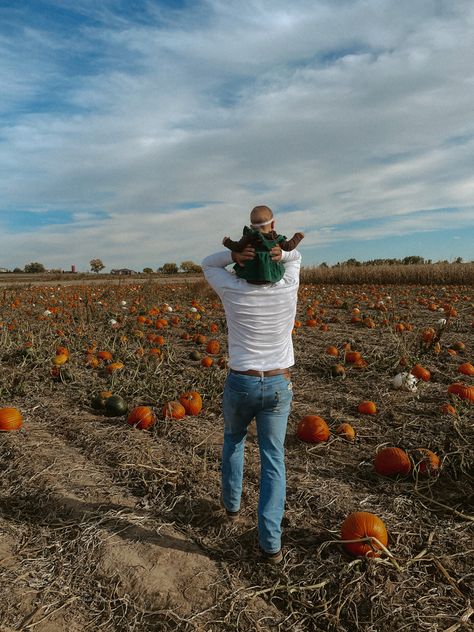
110	440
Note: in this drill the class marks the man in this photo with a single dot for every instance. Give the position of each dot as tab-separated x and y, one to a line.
260	320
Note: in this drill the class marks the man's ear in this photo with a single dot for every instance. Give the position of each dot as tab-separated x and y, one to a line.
273	224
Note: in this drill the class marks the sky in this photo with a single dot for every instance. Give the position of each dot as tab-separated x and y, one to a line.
143	132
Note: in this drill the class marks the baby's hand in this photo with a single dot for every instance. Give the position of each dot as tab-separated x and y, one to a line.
224	240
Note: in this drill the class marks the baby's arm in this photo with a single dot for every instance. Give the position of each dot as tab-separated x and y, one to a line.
291	244
236	246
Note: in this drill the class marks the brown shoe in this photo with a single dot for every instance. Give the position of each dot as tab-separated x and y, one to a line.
232	516
272	558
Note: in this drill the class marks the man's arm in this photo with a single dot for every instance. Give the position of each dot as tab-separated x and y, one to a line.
214	267
292	262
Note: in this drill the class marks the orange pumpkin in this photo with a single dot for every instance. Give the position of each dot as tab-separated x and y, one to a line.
337	370
353	356
332	351
391	462
192	402
427	461
463	391
114	366
466	368
346	431
105	355
213	347
173	410
207	362
141	417
312	429
448	409
361	525
367	407
421	373
10	419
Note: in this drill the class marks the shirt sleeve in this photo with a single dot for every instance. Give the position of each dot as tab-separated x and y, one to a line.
292	261
215	273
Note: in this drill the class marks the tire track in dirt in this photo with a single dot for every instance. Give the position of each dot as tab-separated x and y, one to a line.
135	556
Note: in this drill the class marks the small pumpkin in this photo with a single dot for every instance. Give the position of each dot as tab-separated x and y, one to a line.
213	347
60	359
115	406
367	407
447	409
192	402
461	390
10	419
353	356
346	431
173	410
105	355
207	361
141	417
312	429
195	355
392	462
362	525
332	351
337	370
113	367
99	399
466	368
426	461
421	373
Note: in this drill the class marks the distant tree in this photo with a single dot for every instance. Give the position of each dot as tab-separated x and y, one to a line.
17	270
190	266
96	265
458	260
34	267
148	270
168	268
351	262
413	260
323	265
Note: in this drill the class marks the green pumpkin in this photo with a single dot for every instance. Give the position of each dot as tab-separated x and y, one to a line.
195	355
98	401
115	406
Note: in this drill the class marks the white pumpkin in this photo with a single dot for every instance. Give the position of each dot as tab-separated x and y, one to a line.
404	382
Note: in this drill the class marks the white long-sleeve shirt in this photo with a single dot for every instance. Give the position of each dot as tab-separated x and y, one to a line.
260	318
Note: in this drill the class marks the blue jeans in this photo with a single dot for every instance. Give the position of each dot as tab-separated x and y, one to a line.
268	399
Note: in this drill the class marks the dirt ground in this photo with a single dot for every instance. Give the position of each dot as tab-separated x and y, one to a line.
107	527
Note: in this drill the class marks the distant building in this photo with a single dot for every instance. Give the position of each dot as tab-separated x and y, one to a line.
122	271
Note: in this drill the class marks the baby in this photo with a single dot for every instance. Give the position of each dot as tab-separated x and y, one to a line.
261	236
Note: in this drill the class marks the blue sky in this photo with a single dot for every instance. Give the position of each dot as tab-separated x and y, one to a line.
142	132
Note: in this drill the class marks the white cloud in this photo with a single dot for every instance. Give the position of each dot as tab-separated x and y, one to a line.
344	111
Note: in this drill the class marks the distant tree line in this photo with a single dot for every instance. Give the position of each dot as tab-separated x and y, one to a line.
189	267
406	261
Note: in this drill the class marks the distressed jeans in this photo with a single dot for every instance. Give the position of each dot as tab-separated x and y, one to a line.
268	399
